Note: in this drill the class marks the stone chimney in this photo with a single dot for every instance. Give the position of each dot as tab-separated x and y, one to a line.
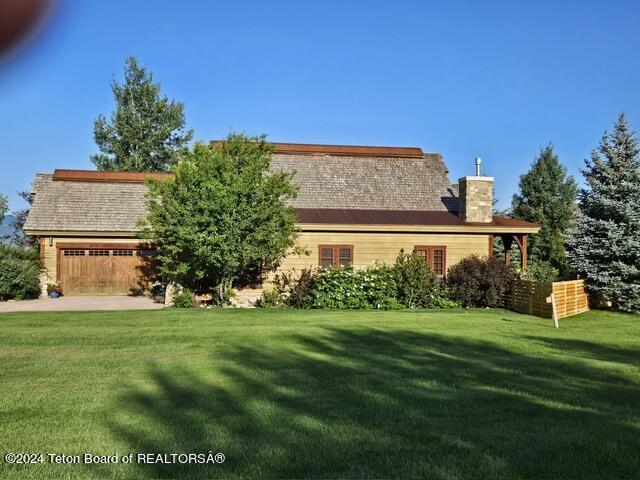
476	199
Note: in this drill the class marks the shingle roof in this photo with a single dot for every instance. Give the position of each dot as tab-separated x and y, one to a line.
325	181
85	206
370	182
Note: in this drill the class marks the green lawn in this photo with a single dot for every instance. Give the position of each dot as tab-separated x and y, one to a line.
435	394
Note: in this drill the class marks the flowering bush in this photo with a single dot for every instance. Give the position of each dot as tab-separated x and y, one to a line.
379	286
344	287
339	287
54	288
409	283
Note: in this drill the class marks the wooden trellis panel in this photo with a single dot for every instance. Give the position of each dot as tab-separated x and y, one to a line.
531	298
571	298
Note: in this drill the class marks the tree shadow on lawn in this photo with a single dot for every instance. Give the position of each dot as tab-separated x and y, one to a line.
373	403
590	350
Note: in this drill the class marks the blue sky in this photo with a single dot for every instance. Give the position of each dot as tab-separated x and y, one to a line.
465	78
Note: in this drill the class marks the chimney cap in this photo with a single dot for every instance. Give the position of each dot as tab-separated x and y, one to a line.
475	178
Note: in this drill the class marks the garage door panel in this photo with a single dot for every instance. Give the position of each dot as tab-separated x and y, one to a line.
104	272
75	266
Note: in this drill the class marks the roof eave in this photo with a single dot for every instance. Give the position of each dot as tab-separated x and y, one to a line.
322	227
476	228
79	233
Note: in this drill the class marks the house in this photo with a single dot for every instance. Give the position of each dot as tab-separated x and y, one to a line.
355	205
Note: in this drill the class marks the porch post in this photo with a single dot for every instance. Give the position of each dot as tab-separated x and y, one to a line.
507	240
521	241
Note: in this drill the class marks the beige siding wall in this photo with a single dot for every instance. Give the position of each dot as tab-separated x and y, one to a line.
384	247
368	248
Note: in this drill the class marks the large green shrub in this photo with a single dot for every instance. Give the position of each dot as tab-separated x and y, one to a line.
408	283
442	299
271	298
301	290
477	282
19	273
184	299
417	286
290	290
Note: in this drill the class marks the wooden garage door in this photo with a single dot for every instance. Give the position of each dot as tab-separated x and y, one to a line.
113	271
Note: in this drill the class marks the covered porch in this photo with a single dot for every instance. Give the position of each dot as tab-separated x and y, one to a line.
508	241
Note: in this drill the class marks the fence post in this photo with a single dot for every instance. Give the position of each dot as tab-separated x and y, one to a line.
552	300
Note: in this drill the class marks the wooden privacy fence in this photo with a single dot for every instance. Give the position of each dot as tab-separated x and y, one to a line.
531	297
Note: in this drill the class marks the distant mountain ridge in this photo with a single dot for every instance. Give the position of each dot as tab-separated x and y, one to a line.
6	227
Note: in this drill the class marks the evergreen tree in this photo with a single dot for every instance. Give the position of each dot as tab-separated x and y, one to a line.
605	245
547	197
146	130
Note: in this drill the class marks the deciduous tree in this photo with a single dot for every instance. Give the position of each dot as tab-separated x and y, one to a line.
4	206
17	236
224	211
146	130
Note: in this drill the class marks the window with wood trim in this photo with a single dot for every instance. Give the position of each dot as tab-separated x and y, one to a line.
123	253
98	253
73	253
435	256
333	255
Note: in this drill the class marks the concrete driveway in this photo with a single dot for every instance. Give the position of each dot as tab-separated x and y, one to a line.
80	304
